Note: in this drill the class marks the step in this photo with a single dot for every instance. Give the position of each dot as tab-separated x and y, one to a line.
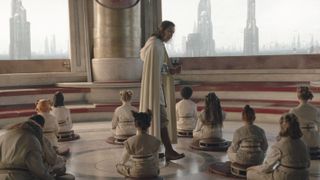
29	95
79	112
250	91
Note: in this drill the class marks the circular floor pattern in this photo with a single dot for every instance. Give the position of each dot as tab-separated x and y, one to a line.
100	163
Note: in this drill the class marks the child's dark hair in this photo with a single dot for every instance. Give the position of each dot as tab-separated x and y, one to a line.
58	99
248	114
304	93
293	130
213	110
186	92
142	119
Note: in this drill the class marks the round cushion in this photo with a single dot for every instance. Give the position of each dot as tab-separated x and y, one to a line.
238	169
65	177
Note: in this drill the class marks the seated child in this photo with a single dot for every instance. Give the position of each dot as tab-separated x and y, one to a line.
288	159
210	120
55	163
249	142
122	120
186	111
308	117
141	149
61	113
51	127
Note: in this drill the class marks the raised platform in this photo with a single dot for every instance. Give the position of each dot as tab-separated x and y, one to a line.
269	99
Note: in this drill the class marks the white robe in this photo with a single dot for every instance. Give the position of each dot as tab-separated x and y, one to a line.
186	112
123	120
249	145
152	54
309	119
145	147
203	131
51	128
63	117
285	153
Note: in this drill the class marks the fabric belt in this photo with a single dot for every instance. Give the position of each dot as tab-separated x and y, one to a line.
142	157
290	167
47	132
249	146
307	127
13	169
185	116
62	122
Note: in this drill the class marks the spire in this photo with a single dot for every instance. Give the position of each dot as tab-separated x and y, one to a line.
251	31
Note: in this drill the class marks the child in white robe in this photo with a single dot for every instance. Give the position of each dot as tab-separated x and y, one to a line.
288	158
122	120
210	120
140	150
186	111
308	117
61	112
51	127
249	143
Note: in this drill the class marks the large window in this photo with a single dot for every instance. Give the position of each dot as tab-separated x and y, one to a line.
243	27
34	29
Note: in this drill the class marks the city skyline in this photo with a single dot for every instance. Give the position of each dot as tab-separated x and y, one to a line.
279	21
45	22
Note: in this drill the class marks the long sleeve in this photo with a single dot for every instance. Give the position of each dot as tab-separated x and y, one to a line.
318	120
69	119
198	125
115	120
125	157
235	143
35	164
264	143
272	160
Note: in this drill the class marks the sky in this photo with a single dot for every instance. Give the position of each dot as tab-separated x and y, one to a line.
47	18
277	20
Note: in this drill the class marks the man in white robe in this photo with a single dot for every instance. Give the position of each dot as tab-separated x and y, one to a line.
157	89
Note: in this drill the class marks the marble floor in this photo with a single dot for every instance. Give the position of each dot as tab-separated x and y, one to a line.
94	159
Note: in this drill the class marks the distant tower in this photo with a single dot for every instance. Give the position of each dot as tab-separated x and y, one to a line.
205	28
251	32
20	45
200	42
53	45
46	46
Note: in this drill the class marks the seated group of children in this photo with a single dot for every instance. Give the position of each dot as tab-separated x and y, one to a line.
288	157
30	149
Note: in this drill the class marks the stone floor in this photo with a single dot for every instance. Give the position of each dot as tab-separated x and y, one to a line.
93	159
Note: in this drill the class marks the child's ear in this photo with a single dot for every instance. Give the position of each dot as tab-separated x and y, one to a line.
36	103
50	102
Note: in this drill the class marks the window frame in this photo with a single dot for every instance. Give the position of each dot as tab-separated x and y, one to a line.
77	68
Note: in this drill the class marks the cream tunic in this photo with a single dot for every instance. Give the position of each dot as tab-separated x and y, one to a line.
142	152
203	130
309	119
186	112
123	120
63	117
53	161
248	146
288	160
51	128
21	149
152	94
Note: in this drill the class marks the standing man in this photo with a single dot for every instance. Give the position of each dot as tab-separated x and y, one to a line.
157	89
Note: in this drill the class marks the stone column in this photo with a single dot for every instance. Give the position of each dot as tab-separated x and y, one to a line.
117	36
